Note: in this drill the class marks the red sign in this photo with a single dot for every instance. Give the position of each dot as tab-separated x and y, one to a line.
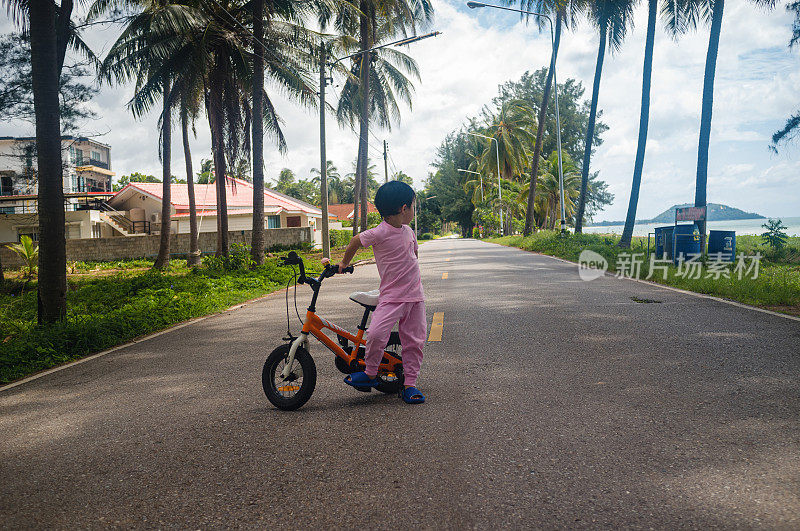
690	214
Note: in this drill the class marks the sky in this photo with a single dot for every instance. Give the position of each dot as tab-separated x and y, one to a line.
756	90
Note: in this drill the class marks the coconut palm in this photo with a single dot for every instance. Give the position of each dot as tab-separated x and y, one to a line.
189	109
205	42
564	15
512	126
378	21
686	14
644	118
548	196
612	19
332	177
51	32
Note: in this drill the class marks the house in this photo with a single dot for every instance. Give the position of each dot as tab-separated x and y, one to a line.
138	206
87	167
86	182
345	210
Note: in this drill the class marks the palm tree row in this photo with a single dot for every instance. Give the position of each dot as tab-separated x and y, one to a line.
218	58
613	19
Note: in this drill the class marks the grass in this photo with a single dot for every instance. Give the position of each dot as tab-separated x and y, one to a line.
777	286
109	303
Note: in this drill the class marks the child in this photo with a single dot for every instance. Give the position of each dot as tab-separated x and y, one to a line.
401	298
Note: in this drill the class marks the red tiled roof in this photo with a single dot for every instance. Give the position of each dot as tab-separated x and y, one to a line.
238	193
269	210
345	210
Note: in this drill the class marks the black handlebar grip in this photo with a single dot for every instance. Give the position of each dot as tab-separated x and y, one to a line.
348	269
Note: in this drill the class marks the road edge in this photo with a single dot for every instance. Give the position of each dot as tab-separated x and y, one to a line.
664	286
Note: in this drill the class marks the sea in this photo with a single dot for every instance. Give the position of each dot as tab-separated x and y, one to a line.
741	226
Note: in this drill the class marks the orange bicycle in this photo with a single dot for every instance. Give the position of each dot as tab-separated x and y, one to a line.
290	374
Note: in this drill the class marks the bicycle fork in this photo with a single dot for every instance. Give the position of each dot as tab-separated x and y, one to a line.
301	339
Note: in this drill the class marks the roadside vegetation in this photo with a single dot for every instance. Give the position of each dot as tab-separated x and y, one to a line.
110	303
777	286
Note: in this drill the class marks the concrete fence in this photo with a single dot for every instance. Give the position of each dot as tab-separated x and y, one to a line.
125	248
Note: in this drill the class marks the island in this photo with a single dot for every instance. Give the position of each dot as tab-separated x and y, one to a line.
716	212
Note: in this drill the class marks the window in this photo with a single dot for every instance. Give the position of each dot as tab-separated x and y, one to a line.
7	210
292	221
96	230
6	185
96	155
273	222
32	232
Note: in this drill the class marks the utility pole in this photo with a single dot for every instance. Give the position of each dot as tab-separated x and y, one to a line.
323	165
385	164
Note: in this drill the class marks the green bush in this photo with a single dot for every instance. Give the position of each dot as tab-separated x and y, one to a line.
476	233
340	238
426	236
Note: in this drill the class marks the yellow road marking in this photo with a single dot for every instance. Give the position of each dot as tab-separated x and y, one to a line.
437	327
444	276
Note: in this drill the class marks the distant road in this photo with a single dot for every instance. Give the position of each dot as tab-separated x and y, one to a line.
552	402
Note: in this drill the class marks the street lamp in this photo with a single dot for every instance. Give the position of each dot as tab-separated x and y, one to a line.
499	188
323	81
474	5
476	173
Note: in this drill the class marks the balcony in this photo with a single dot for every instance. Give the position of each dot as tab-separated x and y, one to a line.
98	163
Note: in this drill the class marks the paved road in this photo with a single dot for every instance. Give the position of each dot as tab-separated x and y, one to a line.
552	402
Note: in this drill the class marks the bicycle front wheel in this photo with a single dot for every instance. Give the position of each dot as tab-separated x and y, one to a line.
292	392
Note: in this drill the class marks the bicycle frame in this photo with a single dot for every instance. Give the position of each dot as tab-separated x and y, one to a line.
315	325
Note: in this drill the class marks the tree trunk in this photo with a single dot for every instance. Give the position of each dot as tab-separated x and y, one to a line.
644	119
257	244
52	288
356	195
530	223
216	120
587	150
194	250
162	261
363	141
705	117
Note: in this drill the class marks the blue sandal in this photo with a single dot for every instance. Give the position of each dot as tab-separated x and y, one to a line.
361	381
412	395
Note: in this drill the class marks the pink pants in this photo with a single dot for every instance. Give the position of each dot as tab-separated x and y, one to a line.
412	328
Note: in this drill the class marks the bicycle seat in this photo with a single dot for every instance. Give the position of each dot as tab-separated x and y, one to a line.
367	299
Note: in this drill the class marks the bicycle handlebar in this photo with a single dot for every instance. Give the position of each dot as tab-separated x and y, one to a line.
330	269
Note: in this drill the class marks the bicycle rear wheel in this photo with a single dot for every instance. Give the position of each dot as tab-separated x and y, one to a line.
294	391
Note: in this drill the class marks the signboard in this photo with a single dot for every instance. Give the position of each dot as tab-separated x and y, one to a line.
690	214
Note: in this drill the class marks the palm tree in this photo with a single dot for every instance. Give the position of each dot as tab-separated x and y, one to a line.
548	193
257	242
205	42
644	119
51	32
378	21
141	54
162	260
565	12
686	14
512	127
333	178
189	109
612	18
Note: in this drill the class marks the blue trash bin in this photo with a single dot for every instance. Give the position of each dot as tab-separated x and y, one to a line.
685	241
664	241
724	242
